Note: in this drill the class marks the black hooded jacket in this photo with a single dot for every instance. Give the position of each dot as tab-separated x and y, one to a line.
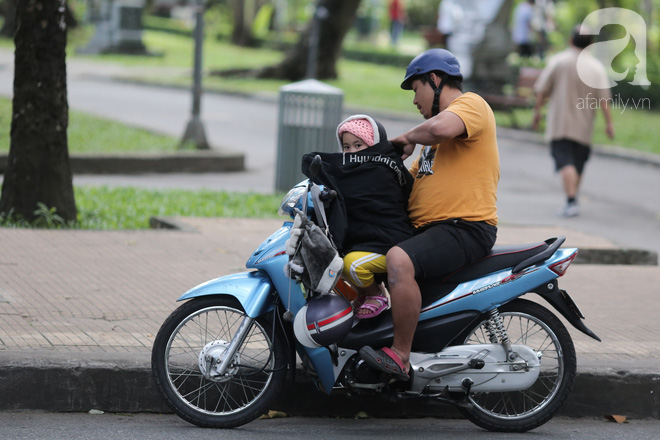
370	213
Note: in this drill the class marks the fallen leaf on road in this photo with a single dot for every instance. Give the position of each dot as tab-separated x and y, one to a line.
274	415
616	418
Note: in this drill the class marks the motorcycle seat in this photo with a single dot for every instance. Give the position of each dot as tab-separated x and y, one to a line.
514	257
499	258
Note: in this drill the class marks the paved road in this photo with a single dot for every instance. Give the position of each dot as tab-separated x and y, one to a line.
620	198
38	425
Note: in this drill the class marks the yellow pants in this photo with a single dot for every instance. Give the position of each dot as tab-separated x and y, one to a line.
360	267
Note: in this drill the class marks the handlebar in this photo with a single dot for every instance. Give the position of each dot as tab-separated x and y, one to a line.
315	166
327	195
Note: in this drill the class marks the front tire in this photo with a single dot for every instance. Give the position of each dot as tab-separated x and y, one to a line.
533	325
253	379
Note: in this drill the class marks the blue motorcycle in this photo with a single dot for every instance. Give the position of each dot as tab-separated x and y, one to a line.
507	363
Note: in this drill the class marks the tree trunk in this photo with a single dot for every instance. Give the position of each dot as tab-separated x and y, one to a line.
9	11
332	30
245	12
38	169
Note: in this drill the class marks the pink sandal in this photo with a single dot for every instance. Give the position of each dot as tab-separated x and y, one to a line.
373	310
386	361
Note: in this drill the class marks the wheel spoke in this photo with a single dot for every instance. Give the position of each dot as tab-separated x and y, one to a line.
247	376
523	329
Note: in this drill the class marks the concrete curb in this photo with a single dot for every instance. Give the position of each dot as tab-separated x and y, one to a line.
178	162
636	257
127	386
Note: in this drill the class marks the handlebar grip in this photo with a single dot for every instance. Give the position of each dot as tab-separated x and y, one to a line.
327	195
315	166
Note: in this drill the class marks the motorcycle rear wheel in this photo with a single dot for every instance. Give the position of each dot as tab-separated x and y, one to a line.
531	324
254	377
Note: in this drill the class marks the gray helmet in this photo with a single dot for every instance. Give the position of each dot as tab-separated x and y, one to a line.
324	320
429	61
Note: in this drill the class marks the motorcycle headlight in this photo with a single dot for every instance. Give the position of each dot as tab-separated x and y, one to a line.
293	199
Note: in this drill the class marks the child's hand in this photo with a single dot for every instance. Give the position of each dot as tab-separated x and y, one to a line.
402	146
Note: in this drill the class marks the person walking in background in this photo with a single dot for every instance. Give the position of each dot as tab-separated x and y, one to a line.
543	23
570	117
522	33
397	19
446	20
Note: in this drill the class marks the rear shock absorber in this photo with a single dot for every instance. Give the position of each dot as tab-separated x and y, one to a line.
497	333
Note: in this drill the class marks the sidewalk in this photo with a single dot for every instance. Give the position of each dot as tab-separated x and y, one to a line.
79	311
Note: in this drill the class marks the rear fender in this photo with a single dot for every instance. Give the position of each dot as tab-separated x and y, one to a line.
252	289
560	300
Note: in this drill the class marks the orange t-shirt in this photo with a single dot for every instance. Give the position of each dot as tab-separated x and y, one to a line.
458	178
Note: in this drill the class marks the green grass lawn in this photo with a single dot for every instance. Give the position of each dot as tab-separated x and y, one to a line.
90	134
633	128
106	208
130	208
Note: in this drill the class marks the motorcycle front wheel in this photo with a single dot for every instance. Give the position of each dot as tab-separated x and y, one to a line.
533	325
179	361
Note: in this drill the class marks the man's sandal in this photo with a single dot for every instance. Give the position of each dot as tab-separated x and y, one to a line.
372	310
386	361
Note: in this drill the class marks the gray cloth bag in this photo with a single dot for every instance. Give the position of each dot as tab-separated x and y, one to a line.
313	258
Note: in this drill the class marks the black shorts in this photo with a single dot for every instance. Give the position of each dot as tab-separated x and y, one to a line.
568	152
525	50
444	247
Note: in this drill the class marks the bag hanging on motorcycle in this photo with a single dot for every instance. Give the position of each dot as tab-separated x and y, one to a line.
315	261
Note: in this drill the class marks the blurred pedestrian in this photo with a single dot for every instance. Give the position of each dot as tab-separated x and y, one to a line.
446	20
397	19
522	32
543	23
570	117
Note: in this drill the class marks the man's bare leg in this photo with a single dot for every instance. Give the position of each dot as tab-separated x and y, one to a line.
571	181
406	301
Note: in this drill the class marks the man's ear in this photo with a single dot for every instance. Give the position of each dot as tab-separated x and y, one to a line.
435	78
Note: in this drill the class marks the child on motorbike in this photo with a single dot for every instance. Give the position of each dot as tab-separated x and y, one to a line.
371	216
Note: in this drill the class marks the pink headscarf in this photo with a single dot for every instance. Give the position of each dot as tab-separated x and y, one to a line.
360	128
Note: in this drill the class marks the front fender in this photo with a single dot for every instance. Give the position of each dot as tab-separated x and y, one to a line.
251	289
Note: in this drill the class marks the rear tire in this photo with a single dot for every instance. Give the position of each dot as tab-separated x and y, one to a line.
253	379
531	324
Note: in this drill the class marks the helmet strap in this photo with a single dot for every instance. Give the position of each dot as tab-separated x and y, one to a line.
435	109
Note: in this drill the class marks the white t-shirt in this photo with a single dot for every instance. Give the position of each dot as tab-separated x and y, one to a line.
573	103
522	17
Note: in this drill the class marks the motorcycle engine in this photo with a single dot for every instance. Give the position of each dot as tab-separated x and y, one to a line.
360	376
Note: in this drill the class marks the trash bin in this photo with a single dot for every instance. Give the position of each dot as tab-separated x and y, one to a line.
309	112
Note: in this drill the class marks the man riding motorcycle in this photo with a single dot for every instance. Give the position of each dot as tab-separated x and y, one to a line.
452	204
